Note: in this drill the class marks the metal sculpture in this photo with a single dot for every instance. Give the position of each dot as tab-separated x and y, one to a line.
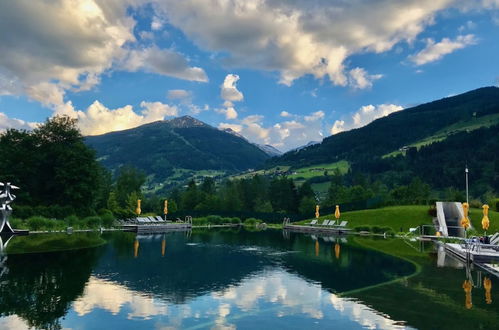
6	198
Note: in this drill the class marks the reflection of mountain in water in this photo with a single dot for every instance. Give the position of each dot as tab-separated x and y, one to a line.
41	287
186	271
216	260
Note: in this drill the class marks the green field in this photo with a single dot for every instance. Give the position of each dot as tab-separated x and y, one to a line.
465	125
405	217
318	170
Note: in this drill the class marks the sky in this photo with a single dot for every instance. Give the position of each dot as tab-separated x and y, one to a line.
278	72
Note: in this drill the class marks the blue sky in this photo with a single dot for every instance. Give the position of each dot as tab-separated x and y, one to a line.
278	72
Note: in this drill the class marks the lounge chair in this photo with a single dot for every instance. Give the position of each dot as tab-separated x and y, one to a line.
343	224
495	239
311	223
332	223
152	219
324	223
159	219
140	220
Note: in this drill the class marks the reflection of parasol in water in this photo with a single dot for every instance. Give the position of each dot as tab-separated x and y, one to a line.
467	290
487	285
337	250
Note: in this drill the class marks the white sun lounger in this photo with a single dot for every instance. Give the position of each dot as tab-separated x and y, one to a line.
324	223
151	219
332	223
343	224
159	219
494	240
141	220
313	222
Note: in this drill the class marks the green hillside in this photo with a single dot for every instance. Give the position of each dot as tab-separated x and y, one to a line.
439	139
176	150
399	129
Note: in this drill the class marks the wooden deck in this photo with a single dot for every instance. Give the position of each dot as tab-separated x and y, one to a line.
158	228
317	229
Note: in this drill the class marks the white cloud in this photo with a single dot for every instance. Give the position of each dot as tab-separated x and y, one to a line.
8	123
229	112
435	51
299	37
364	116
98	119
315	116
284	135
157	23
229	91
68	46
359	78
163	61
178	94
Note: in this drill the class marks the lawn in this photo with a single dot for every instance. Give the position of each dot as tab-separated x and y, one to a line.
405	217
318	170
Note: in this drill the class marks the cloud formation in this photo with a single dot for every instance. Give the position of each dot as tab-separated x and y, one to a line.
163	61
285	135
7	123
230	94
435	51
297	38
364	116
98	119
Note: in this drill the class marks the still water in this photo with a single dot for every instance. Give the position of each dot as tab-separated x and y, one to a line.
237	279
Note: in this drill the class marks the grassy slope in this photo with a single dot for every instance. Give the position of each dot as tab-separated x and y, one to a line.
405	217
468	125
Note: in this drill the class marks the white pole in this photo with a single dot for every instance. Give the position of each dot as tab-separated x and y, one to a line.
467	195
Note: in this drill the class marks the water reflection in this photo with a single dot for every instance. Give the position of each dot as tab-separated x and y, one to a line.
224	279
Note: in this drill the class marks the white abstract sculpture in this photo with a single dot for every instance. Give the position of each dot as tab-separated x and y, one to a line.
6	197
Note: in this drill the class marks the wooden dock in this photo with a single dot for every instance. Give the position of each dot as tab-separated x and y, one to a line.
158	228
316	229
480	255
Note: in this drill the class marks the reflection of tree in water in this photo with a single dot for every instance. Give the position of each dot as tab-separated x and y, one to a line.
41	287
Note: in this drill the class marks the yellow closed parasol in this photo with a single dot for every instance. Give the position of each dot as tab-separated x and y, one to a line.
138	210
317	214
165	209
465	221
337	212
485	220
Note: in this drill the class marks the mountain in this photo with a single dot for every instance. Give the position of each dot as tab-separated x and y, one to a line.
176	148
411	126
433	141
269	150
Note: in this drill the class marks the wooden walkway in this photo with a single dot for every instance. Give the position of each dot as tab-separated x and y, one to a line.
158	228
316	229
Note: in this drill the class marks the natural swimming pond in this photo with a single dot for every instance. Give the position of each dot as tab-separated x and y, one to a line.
237	279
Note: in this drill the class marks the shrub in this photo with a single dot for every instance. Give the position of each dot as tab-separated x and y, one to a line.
252	222
71	220
362	228
23	212
235	220
107	220
476	204
36	223
92	222
377	229
214	219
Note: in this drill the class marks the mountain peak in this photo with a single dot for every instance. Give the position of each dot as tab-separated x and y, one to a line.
186	122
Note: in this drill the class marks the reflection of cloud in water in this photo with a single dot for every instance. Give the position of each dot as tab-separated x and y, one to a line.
293	295
274	291
112	297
